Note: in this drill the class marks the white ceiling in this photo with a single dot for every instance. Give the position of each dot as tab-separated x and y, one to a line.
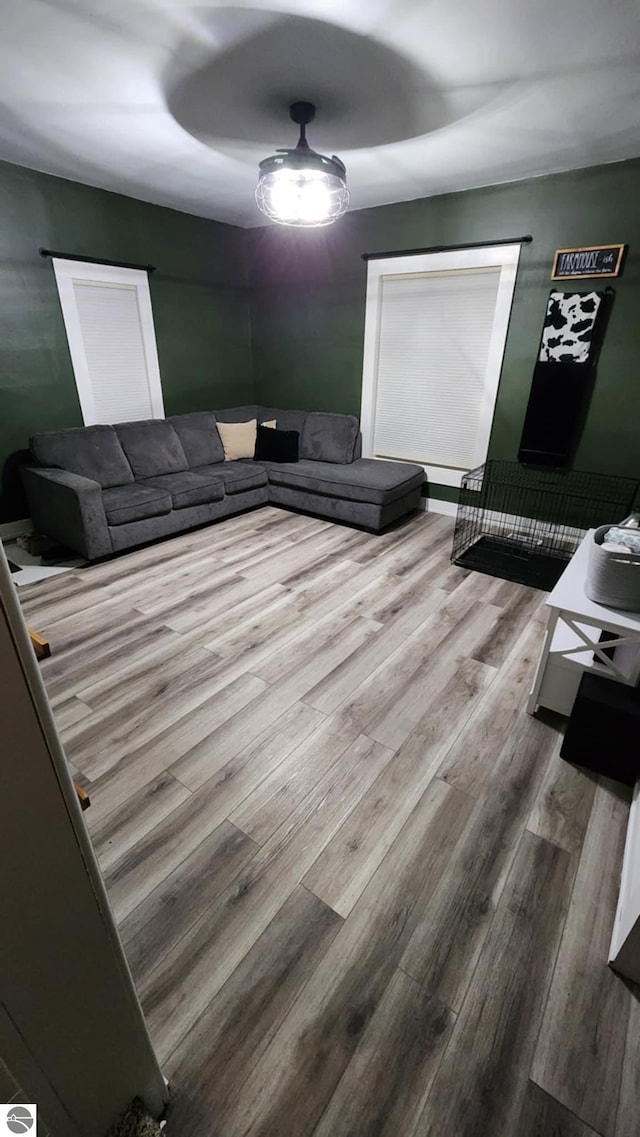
176	103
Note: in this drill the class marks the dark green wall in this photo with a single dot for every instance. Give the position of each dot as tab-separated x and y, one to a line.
198	292
308	294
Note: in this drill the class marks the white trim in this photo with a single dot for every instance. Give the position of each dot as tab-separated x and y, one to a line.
13	529
445	476
437	505
439	475
66	273
506	257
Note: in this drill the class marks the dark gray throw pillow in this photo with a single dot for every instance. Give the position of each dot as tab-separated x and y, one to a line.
276	445
329	437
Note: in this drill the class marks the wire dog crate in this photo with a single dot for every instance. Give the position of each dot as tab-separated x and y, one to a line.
524	524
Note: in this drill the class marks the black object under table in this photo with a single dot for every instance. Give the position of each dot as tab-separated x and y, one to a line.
603	732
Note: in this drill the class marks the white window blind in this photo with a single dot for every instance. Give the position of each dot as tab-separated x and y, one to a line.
435	333
112	337
109	325
434	340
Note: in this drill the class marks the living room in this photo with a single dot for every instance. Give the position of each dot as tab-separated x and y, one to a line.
357	888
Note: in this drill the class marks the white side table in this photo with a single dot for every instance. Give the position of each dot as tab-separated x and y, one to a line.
571	644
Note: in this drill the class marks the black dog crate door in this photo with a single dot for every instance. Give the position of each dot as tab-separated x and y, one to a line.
523	524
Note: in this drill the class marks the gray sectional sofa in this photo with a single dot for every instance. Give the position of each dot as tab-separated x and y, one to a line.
102	489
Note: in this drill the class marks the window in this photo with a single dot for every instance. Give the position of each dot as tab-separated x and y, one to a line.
436	326
109	324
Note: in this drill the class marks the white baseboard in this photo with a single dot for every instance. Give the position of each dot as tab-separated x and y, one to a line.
13	529
436	505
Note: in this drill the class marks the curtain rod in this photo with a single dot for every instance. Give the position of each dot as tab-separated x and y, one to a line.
447	248
94	260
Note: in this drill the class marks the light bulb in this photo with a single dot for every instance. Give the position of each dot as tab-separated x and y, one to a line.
300	197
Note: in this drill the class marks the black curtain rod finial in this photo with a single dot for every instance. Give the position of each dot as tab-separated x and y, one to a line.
94	260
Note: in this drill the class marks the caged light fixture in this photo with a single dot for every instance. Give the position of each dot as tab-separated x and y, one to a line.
301	187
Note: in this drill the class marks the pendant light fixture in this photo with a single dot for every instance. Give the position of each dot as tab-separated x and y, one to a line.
300	187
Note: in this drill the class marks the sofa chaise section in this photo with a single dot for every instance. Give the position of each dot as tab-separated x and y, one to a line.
367	492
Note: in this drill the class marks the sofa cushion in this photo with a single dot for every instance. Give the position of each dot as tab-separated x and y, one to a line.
199	436
329	438
238	414
91	451
152	447
188	488
285	420
236	476
238	439
366	479
276	445
134	503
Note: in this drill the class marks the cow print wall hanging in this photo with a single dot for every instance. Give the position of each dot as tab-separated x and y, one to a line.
563	377
567	334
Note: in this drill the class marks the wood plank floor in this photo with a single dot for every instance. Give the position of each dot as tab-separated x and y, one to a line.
360	893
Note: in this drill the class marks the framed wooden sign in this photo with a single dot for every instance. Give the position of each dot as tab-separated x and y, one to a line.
588	260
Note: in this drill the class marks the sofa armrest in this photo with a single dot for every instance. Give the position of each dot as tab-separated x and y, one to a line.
69	508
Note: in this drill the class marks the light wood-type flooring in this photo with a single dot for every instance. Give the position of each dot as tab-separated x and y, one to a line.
360	893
